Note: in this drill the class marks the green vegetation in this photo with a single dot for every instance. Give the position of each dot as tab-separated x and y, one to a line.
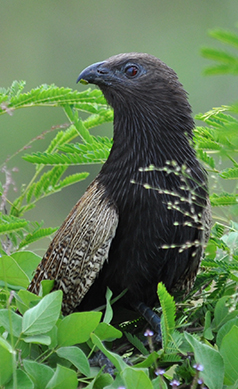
43	349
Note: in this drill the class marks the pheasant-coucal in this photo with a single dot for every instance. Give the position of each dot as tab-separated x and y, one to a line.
134	226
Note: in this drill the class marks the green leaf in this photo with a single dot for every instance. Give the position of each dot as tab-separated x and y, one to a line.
63	378
39	373
38	339
168	318
225	329
150	360
108	312
114	358
160	383
106	331
136	379
229	353
84	322
23	381
11	322
211	361
41	318
207	332
77	357
46	287
6	358
28	261
221	313
11	273
103	381
24	300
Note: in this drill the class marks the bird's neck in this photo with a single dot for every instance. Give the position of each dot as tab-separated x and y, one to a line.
140	142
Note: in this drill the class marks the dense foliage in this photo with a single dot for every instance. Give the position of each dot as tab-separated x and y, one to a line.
42	349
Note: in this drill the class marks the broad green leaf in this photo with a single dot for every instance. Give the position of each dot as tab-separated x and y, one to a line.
106	331
25	300
46	286
221	313
12	273
116	384
23	381
63	378
114	358
160	383
11	322
77	357
39	373
136	379
104	380
77	327
229	352
210	359
225	329
38	339
108	312
6	358
41	318
28	261
207	332
150	360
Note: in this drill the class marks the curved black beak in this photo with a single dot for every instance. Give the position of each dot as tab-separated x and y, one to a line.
93	74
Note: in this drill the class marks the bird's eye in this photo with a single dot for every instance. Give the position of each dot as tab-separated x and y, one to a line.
131	71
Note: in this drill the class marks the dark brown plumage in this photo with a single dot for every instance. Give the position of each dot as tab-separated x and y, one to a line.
123	233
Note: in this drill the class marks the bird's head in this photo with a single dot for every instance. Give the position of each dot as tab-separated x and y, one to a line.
132	81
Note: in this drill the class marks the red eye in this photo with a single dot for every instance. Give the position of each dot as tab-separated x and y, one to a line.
131	71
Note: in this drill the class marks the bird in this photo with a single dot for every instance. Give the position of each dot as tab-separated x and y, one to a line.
146	217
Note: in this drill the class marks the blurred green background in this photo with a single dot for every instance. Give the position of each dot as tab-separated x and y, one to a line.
52	41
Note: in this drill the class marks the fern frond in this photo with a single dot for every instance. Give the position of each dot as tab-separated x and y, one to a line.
207	159
9	223
170	358
36	235
225	36
217	118
47	181
223	199
230	173
61	138
99	146
136	343
218	230
168	318
72	179
219	55
51	95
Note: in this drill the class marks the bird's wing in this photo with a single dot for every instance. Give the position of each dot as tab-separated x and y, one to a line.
79	248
